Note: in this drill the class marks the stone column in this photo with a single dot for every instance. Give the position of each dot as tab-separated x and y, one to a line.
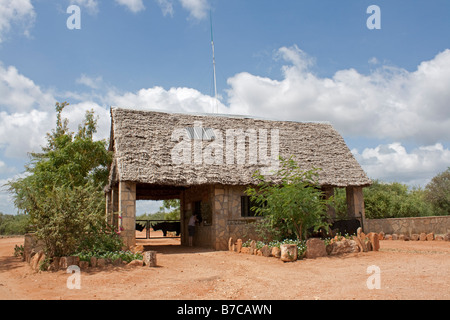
109	211
328	193
355	204
219	235
127	213
115	206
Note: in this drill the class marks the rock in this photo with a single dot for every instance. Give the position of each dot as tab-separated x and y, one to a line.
439	238
368	244
358	243
406	238
230	244
315	248
394	236
388	237
381	236
93	261
239	245
374	240
150	258
101	263
358	232
345	246
75	261
253	247
276	252
54	265
35	260
447	237
266	252
415	237
363	242
84	265
137	248
65	262
430	236
288	252
245	250
117	262
135	263
423	236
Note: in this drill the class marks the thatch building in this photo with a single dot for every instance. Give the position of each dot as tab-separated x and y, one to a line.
207	161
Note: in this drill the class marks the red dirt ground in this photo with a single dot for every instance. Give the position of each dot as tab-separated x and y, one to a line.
408	270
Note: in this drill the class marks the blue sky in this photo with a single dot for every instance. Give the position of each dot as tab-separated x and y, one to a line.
386	90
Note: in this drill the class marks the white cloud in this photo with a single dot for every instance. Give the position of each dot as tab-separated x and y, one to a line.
393	163
389	103
24	132
16	13
133	5
91	82
90	5
166	7
198	9
19	93
174	100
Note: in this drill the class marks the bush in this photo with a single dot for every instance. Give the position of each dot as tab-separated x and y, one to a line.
14	224
293	206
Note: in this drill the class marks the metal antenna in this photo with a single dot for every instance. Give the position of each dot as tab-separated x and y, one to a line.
215	107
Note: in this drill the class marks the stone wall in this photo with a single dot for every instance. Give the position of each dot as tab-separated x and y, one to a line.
225	221
409	226
204	231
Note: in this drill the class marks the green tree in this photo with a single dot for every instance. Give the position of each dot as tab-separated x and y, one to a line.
387	200
295	204
438	193
13	224
173	206
63	189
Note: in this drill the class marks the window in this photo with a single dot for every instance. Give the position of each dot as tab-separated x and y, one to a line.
246	207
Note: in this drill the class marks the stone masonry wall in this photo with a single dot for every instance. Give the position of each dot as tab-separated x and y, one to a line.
408	226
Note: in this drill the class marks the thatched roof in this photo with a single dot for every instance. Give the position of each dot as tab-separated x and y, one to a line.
144	142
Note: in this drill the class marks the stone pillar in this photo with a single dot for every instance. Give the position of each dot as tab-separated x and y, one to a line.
109	211
219	235
127	212
355	204
328	193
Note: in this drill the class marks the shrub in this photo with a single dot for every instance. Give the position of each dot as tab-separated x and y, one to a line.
292	206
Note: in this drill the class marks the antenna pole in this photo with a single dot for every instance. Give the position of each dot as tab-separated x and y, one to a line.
215	108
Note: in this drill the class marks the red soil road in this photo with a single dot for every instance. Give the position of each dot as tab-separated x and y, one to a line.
408	270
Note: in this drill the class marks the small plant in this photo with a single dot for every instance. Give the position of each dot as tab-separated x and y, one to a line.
126	256
19	251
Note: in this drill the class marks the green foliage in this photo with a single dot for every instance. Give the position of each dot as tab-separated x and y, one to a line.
437	192
18	251
387	200
174	212
174	209
126	256
62	191
14	224
292	206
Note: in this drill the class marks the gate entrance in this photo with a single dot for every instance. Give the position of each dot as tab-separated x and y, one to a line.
158	229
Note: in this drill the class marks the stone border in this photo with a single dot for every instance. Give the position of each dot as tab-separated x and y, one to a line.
416	237
315	247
